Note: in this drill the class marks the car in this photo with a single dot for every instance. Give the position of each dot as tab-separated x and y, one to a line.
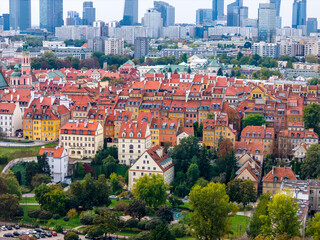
3	228
16	233
48	234
9	227
54	234
38	230
64	232
36	236
42	235
8	235
23	233
17	226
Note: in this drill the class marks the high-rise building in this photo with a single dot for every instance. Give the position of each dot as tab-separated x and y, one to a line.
88	14
312	25
236	13
73	18
277	4
204	16
141	47
51	14
114	46
167	12
267	22
102	26
130	15
20	14
5	22
299	13
152	19
217	9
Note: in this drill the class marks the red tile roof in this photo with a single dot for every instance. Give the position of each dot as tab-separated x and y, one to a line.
277	174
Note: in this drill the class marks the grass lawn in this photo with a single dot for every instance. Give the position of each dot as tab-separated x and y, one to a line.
26	208
114	202
129	232
21	152
28	200
239	225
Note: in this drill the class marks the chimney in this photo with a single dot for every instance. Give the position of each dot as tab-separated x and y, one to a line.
11	97
18	97
41	99
273	170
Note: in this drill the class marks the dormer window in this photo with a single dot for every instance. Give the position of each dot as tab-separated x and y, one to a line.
131	134
139	135
123	134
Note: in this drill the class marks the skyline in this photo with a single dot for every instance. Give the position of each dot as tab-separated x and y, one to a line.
115	12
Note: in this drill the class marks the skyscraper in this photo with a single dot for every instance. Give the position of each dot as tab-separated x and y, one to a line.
88	14
130	15
312	25
20	14
277	4
167	12
236	13
73	18
267	22
299	13
152	19
5	22
204	16
141	47
51	14
217	9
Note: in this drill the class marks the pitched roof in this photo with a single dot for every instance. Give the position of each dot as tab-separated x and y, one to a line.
54	152
277	174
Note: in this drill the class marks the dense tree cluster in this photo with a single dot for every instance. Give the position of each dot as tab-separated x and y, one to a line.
253	120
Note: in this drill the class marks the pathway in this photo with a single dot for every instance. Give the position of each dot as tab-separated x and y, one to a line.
13	144
16	161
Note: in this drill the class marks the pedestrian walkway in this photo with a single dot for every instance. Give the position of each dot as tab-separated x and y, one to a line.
16	161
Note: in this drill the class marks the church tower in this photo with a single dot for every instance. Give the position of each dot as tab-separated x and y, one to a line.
26	78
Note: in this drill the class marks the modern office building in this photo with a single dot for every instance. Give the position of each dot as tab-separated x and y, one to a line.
89	13
51	14
167	12
236	14
277	4
267	22
73	18
204	16
114	46
141	47
217	9
130	15
20	14
312	25
152	19
299	13
5	22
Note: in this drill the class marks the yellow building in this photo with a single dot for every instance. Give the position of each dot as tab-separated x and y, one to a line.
118	119
133	105
260	92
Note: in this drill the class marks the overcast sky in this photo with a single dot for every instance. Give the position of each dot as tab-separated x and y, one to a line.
108	10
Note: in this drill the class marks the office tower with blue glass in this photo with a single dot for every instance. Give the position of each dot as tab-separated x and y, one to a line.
130	15
20	14
217	9
51	14
73	18
236	14
88	14
312	25
267	22
204	16
167	12
299	13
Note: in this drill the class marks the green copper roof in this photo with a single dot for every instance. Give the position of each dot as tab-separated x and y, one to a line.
3	83
214	63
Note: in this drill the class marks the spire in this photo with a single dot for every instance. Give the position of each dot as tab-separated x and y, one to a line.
25	46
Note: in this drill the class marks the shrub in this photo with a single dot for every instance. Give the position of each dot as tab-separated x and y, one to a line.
72	213
46	215
179	230
145	235
86	218
121	206
3	160
34	213
58	228
66	219
132	223
20	212
151	211
153	223
71	236
142	225
56	216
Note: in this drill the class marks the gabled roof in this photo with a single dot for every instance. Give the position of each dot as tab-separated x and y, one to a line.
54	152
277	174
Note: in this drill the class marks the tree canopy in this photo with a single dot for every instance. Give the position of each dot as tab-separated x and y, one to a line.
242	191
253	120
313	227
311	117
310	167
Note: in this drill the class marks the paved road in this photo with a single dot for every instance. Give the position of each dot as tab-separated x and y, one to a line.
60	236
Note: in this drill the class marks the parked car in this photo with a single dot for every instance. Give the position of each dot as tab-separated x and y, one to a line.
36	236
16	233
17	226
3	228
54	234
64	232
38	230
42	235
8	235
9	227
48	234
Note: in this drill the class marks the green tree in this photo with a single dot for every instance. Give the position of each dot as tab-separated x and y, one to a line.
175	202
161	232
75	62
310	167
145	235
38	179
212	211
9	206
164	212
255	224
107	221
31	170
311	59
151	189
311	117
253	120
72	213
184	152
13	184
282	217
183	58
242	191
313	227
220	73
137	209
313	81
115	183
71	236
193	173
289	65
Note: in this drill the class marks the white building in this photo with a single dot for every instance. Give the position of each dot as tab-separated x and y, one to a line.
264	49
58	160
10	118
152	161
53	44
134	139
114	46
152	18
77	32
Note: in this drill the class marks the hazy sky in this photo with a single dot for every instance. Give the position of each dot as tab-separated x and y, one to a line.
108	10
